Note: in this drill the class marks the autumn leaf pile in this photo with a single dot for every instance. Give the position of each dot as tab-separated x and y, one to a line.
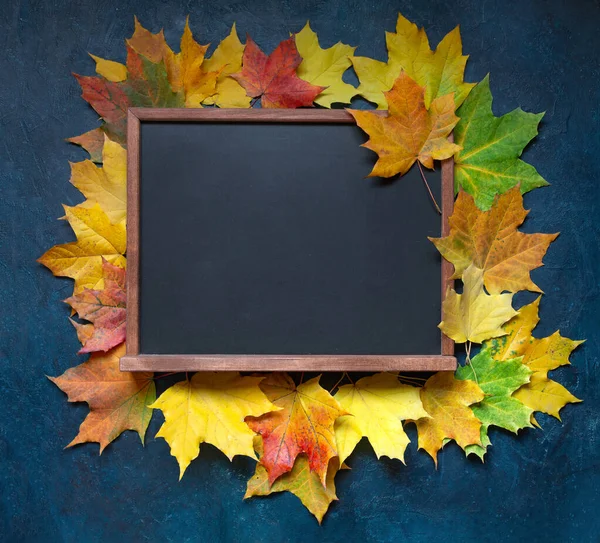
300	433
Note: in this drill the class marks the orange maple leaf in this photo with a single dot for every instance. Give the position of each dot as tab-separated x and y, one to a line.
305	424
410	131
491	241
118	400
105	309
274	78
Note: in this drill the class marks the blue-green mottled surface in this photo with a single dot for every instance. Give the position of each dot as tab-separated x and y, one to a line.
541	486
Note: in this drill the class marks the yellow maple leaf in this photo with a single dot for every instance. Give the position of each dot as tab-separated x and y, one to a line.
210	408
545	395
227	60
475	315
440	72
540	356
375	78
377	405
409	132
109	69
447	401
186	71
324	67
491	241
97	239
105	186
300	481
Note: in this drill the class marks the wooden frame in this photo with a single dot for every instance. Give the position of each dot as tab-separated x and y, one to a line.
134	361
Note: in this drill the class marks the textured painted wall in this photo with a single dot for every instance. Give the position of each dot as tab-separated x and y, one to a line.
542	486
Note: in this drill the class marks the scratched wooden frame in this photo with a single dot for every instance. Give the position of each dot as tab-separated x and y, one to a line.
136	361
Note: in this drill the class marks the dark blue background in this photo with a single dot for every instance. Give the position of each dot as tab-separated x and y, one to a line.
541	486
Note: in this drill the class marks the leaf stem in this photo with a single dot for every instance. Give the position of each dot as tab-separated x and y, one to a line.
429	188
168	375
339	381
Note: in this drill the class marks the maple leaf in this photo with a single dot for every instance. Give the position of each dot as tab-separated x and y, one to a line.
148	83
540	356
300	481
106	186
92	141
304	424
475	315
489	163
409	132
491	241
152	46
97	239
447	401
105	309
325	67
273	78
210	408
84	331
378	405
440	72
498	380
227	60
186	71
109	100
118	400
109	69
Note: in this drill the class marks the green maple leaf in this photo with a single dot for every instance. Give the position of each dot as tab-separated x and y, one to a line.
498	380
489	163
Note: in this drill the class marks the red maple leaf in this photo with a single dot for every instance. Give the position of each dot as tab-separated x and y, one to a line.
274	78
105	309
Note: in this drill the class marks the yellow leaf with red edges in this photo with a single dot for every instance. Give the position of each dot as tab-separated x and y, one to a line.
540	356
304	424
97	239
227	60
410	131
475	315
106	185
447	401
210	408
377	405
300	481
118	400
491	240
105	309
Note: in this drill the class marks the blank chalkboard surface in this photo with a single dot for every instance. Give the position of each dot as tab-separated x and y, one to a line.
255	242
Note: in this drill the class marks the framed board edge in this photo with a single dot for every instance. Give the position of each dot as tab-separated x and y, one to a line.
135	361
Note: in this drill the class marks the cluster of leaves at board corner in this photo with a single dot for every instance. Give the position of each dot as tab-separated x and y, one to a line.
297	73
486	148
489	252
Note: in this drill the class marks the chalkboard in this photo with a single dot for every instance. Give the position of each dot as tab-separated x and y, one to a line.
255	242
